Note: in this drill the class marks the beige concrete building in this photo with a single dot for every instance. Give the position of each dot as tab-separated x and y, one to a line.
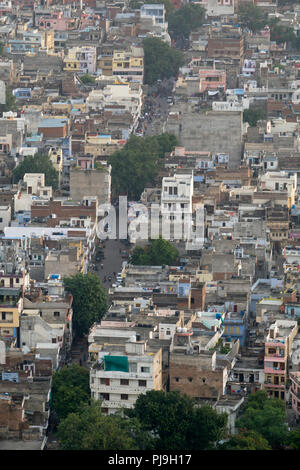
118	378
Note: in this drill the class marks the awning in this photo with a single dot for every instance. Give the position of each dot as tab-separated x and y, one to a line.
212	93
116	363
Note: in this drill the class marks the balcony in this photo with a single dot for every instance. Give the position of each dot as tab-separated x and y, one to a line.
274	370
280	386
117	404
122	389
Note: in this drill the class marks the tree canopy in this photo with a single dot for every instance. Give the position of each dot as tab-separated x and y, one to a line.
87	79
70	390
246	440
251	16
252	116
10	101
137	163
183	21
160	60
89	301
157	253
267	417
280	32
39	163
176	423
89	429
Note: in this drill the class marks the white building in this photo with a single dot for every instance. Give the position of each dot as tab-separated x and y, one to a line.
280	181
176	197
32	188
157	10
119	377
5	217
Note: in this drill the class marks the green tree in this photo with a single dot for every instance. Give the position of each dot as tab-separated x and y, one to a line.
293	440
280	32
185	20
10	101
246	440
251	17
137	163
175	423
39	163
252	116
89	301
160	60
87	79
167	142
70	390
89	429
157	253
267	417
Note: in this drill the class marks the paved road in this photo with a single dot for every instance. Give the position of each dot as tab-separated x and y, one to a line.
160	106
112	261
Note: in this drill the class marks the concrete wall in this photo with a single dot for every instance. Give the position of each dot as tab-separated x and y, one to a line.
194	378
90	183
215	132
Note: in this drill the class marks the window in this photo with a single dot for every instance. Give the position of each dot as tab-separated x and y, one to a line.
104	396
124	382
168	332
124	396
176	379
3	315
142	383
104	381
104	411
190	379
145	369
56	314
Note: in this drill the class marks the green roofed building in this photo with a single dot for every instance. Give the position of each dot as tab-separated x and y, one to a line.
120	376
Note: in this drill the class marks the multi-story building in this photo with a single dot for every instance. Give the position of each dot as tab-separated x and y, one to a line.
176	197
212	80
193	367
295	392
226	45
81	60
118	378
156	10
278	224
129	65
218	7
278	349
32	41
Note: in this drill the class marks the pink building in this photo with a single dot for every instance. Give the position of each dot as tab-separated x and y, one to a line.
212	80
57	22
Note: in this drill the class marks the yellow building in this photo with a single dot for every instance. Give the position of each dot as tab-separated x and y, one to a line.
129	65
71	61
10	309
56	157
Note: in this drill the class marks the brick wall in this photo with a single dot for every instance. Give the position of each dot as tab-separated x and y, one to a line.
189	375
62	212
